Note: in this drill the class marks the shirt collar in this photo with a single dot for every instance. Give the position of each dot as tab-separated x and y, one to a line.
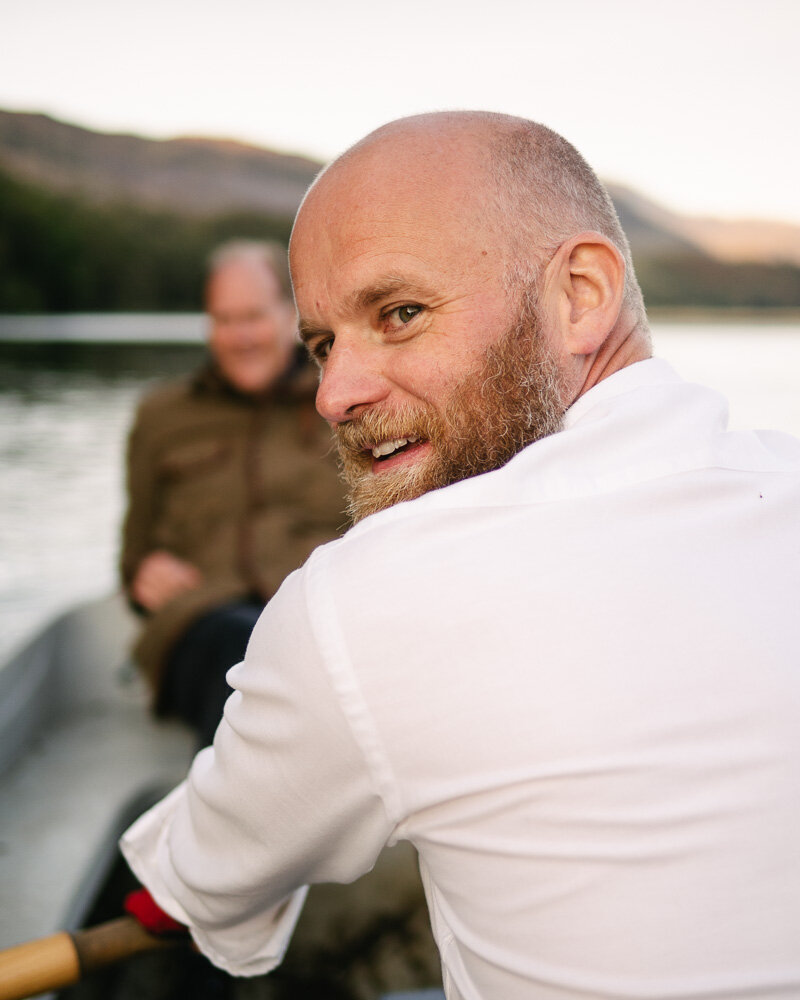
653	371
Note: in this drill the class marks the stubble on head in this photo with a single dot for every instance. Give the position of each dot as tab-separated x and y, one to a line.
512	398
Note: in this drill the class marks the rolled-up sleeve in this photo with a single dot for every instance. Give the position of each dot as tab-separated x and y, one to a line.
286	797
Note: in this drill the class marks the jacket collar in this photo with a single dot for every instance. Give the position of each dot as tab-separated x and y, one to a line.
298	382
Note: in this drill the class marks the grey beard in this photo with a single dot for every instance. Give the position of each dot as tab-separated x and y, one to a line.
511	400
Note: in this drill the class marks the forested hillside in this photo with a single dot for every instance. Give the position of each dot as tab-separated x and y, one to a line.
96	222
59	253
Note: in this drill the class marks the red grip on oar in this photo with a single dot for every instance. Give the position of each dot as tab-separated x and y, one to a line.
140	904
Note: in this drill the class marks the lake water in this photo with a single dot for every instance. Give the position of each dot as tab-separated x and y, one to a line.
67	397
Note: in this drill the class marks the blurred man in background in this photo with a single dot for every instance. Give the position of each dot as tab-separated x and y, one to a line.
231	485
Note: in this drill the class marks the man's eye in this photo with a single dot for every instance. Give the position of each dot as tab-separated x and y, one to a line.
404	314
320	349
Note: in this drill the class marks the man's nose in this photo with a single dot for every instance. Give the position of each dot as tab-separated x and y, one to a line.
351	380
247	329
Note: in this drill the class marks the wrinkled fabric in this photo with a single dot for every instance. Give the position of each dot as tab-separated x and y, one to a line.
573	684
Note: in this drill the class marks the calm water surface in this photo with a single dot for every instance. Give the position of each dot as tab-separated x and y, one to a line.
65	409
64	416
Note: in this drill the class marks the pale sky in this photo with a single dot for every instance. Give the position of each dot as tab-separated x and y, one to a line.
693	102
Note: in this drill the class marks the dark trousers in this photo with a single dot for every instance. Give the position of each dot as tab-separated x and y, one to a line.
194	685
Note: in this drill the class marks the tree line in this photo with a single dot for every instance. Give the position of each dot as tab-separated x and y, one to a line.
61	253
697	281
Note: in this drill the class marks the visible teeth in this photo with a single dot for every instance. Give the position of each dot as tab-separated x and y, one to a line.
387	447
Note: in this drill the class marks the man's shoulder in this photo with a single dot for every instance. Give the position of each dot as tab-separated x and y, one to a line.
166	395
416	534
196	395
173	406
629	434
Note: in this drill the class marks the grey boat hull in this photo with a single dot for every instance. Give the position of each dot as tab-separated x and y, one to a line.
80	757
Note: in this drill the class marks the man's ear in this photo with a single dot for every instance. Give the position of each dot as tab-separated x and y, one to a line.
585	285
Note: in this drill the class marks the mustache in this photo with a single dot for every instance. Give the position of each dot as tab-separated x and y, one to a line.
369	428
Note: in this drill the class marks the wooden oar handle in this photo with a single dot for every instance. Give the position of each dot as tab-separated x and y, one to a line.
117	939
37	966
62	959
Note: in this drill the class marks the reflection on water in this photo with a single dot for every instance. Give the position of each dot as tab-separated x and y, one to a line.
65	409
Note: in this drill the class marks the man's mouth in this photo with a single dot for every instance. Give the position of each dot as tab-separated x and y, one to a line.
394	453
378	443
385	449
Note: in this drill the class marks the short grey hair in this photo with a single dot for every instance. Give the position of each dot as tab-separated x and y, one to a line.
546	193
265	253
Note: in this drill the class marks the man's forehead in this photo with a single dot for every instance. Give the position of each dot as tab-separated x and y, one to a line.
354	269
393	237
394	214
397	173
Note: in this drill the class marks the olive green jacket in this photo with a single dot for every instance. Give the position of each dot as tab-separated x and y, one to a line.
242	487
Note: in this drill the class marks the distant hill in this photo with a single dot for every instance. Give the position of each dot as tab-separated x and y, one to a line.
191	175
651	230
655	230
92	221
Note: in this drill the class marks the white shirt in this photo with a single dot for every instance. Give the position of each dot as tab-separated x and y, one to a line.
572	683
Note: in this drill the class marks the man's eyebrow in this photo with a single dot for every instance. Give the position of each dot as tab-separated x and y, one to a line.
365	298
368	296
307	331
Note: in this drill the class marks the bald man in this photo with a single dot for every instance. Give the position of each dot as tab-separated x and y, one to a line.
559	651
